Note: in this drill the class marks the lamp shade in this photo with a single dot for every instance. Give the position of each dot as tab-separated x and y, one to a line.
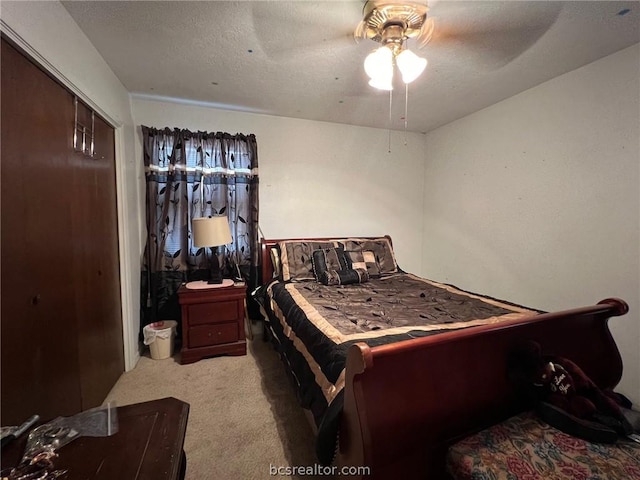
410	65
211	231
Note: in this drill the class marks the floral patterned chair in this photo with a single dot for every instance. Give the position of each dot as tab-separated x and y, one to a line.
525	448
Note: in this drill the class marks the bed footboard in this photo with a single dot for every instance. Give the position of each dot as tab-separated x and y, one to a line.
406	402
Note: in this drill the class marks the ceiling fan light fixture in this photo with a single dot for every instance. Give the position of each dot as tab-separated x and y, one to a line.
379	63
391	24
410	65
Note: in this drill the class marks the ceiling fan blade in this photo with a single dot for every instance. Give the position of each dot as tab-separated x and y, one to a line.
358	33
426	32
286	30
473	28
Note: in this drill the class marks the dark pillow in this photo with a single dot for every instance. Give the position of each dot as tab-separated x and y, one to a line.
325	259
344	277
295	259
364	259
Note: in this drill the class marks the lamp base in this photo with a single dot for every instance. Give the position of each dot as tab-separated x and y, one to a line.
215	276
215	279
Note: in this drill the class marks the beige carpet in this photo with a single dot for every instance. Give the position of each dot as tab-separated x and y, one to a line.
243	414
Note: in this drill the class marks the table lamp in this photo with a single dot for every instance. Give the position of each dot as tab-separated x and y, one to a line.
212	232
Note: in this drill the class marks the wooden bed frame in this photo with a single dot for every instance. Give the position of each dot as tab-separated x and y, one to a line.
405	403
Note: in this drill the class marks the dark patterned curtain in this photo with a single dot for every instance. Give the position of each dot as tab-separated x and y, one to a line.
190	175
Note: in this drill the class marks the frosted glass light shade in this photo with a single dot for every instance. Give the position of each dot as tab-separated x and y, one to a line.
211	231
410	65
379	63
382	83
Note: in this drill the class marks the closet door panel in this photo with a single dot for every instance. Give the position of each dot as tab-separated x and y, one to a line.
110	298
101	353
39	347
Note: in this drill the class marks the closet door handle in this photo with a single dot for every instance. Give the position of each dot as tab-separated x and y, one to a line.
35	300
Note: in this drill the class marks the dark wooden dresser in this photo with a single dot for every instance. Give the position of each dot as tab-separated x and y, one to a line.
148	446
212	322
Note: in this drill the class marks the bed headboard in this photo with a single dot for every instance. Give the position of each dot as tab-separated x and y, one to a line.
267	244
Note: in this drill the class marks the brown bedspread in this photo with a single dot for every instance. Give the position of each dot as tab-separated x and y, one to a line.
322	321
395	304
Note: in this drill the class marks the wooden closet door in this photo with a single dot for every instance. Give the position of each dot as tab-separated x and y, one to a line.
101	353
62	347
39	363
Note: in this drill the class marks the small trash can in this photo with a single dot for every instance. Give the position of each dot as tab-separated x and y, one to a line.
159	336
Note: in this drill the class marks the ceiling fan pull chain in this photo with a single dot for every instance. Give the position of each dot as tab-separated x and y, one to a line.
390	105
406	109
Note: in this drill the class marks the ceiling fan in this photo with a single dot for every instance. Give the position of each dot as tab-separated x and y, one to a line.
486	34
392	23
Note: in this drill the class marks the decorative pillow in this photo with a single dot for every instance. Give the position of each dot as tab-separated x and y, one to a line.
365	260
328	259
344	277
381	248
295	259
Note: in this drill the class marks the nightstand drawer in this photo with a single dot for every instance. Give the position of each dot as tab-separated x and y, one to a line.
213	322
213	334
218	312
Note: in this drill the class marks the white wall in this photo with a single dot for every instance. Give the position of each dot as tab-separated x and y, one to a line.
47	32
536	199
318	178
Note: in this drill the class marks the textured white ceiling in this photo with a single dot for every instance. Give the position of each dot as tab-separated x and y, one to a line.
299	59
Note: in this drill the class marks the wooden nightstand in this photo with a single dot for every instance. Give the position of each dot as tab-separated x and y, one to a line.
212	322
